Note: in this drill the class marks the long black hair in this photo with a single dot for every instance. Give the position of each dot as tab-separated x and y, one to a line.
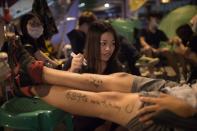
26	38
92	47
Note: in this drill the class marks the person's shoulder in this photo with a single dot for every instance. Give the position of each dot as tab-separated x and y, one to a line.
160	31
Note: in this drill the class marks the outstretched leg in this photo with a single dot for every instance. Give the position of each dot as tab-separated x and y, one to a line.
121	82
38	73
113	106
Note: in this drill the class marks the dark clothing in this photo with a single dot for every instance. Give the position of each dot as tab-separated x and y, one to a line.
32	45
165	121
111	68
154	39
193	75
82	123
128	55
77	39
172	120
192	44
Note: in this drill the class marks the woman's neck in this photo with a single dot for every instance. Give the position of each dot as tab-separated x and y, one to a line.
103	67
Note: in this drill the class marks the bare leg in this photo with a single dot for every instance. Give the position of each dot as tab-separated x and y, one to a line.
113	106
121	82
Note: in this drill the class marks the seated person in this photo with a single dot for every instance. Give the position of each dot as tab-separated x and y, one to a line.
184	45
33	39
109	96
151	36
112	97
150	39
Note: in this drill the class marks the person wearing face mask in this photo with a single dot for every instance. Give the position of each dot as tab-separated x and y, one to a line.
33	39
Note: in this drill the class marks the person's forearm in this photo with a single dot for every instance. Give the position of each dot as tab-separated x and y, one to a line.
117	82
143	42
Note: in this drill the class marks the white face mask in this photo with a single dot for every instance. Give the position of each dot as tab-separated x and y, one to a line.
35	32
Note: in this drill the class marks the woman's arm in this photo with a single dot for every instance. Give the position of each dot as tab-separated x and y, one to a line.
143	43
165	102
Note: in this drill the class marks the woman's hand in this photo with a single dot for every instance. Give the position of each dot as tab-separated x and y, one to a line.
171	103
76	63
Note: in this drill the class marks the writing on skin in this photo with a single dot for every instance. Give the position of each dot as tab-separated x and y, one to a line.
80	97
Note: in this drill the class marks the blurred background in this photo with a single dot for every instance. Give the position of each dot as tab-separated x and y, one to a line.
66	12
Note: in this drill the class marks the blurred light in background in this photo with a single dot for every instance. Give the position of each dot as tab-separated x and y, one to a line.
106	5
71	18
81	5
165	1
